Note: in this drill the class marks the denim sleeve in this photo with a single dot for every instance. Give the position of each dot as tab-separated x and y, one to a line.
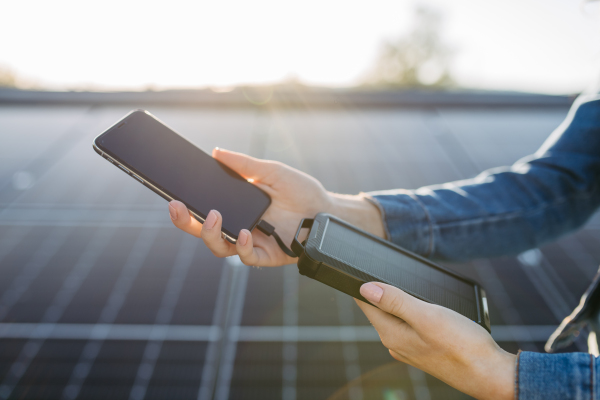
567	376
505	210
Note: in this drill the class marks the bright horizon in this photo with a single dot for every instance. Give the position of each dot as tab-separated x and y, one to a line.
550	46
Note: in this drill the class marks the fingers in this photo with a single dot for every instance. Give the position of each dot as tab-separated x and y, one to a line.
391	329
395	301
183	220
211	234
248	167
379	318
249	254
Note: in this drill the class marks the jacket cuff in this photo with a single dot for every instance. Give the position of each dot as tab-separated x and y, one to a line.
406	220
555	376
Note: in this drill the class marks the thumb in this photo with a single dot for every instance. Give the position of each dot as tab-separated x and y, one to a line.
394	301
248	167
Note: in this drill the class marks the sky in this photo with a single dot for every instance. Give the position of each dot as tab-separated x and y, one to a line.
545	46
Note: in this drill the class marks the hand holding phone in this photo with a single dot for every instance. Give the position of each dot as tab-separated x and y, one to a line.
294	196
216	190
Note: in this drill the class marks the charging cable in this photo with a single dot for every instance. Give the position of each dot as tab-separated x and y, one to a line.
269	230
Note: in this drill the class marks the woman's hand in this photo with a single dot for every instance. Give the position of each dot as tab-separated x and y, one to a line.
440	342
294	195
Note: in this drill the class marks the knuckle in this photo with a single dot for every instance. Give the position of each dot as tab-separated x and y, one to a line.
219	253
212	246
185	226
247	261
275	167
215	253
397	305
178	222
209	236
245	255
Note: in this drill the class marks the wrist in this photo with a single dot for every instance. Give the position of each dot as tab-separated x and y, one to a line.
358	211
497	378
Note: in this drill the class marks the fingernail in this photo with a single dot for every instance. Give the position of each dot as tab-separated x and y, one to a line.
243	237
371	292
172	212
211	220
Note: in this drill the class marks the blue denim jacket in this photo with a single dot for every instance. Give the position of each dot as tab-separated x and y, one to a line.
506	211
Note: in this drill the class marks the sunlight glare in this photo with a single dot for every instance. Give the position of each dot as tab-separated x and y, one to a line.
547	46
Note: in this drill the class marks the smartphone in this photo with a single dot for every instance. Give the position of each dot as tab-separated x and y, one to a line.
175	169
345	257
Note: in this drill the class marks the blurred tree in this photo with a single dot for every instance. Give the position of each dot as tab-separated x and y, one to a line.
416	60
7	77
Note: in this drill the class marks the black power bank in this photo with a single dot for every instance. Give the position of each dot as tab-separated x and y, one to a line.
344	257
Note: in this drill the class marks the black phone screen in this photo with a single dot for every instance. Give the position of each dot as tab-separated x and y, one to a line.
183	171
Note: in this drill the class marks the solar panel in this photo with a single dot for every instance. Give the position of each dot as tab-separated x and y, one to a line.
407	273
68	251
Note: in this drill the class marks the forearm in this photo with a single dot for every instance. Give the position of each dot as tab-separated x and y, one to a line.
507	210
500	214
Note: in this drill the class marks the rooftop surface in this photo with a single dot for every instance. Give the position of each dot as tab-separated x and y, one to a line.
101	297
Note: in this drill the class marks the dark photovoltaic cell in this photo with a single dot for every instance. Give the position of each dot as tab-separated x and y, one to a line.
407	273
